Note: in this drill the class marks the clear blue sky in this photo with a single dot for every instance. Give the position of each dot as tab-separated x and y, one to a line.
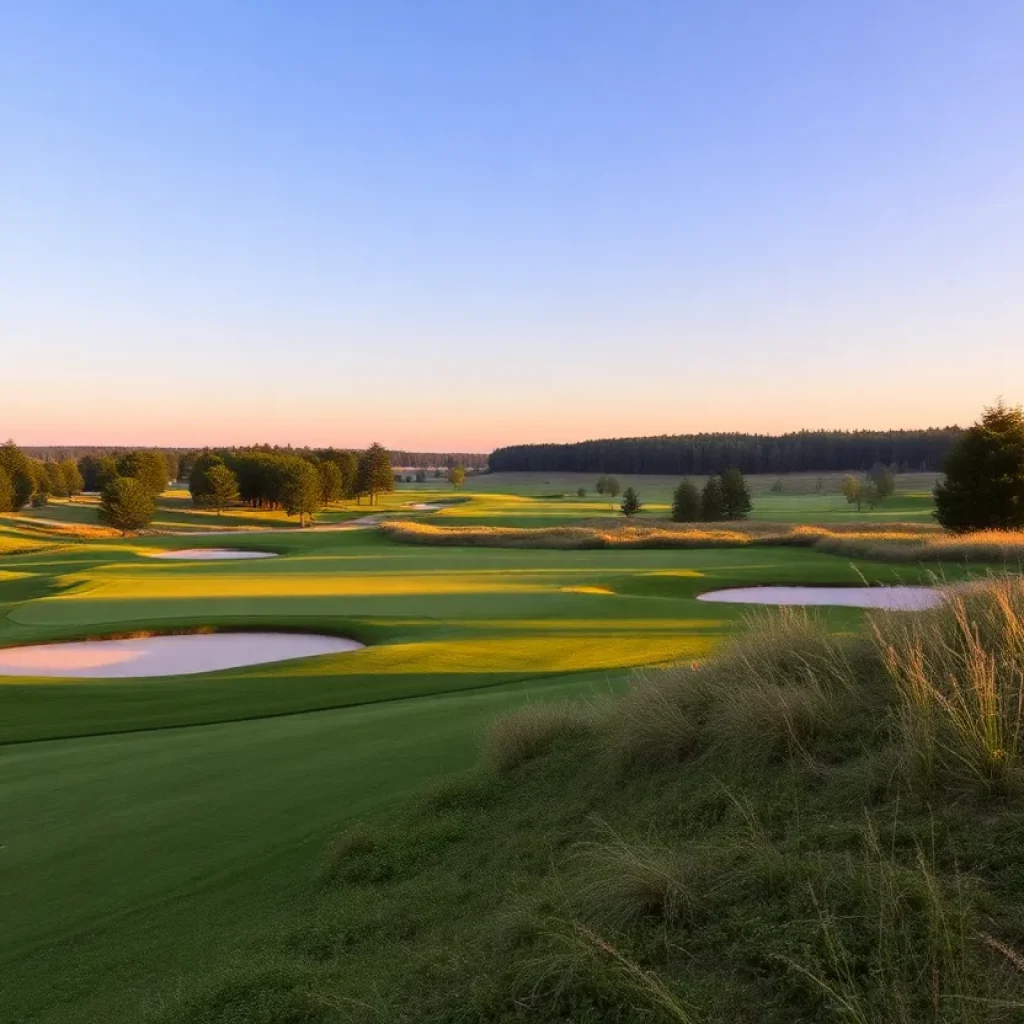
462	224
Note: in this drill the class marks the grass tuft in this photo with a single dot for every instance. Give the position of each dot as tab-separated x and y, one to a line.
521	735
959	672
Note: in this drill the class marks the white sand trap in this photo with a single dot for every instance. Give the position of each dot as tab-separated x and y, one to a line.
901	599
425	506
166	655
209	554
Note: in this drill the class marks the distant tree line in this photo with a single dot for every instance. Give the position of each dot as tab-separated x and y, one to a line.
442	461
704	454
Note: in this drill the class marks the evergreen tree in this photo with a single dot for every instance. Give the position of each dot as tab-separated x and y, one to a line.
300	492
149	468
984	484
16	465
199	478
630	502
686	503
126	504
712	501
331	486
374	474
456	477
736	503
222	488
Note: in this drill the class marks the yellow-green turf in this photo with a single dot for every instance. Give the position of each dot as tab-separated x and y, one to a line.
152	830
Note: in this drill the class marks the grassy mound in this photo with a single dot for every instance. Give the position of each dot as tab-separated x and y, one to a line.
807	827
894	542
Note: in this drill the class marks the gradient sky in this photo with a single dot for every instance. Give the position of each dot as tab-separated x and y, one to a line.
453	225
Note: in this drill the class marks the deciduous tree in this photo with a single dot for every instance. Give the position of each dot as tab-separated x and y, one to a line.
456	477
16	465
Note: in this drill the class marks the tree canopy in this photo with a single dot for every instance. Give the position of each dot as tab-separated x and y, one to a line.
456	477
984	484
148	467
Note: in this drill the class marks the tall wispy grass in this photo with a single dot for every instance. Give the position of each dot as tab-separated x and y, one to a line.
959	672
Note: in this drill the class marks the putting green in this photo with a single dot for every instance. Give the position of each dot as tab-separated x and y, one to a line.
153	830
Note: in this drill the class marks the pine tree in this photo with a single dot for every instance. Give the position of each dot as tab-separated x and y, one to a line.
630	502
300	490
222	488
126	504
375	474
686	503
736	503
984	484
712	501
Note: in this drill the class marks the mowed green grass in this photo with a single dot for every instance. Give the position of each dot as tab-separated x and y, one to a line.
154	830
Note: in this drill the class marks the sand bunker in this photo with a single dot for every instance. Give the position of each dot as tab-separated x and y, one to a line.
166	655
903	599
209	554
425	506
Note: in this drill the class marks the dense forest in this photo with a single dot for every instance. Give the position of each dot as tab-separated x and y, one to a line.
698	454
410	460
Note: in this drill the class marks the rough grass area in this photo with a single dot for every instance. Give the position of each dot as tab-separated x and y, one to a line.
804	828
896	542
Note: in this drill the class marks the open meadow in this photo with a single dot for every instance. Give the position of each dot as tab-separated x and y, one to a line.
161	834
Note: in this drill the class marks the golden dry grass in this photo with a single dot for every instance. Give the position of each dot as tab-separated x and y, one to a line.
903	542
